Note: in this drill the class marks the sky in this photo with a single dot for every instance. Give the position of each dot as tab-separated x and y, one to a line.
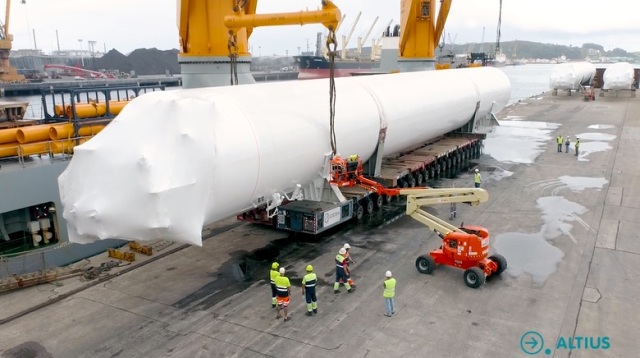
127	25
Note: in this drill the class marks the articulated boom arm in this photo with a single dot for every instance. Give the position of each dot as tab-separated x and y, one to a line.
422	196
204	25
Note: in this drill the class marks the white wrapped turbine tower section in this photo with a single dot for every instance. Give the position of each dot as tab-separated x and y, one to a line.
618	76
571	75
174	161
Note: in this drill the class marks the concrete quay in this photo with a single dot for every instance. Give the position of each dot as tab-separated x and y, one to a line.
566	224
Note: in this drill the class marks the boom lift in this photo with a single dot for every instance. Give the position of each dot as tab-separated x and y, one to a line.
466	247
214	37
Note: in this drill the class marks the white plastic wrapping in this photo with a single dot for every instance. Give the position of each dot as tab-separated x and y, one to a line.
571	75
618	76
176	160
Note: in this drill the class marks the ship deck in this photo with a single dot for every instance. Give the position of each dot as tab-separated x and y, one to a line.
567	225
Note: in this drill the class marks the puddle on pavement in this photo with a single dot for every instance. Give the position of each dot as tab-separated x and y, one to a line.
528	253
534	253
568	182
514	118
601	126
518	141
587	148
595	136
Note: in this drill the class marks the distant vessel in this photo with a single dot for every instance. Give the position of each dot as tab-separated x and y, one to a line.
312	67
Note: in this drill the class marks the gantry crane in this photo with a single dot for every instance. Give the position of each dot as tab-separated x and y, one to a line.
214	37
7	73
420	33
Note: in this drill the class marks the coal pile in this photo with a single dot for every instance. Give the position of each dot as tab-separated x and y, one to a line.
143	61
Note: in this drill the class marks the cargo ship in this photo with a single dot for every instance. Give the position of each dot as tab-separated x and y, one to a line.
312	67
33	154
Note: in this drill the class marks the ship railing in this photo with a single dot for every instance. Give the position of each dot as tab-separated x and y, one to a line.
55	149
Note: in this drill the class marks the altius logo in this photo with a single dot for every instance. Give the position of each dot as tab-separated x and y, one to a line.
532	343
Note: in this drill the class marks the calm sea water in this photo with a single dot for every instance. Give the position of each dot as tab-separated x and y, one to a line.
526	81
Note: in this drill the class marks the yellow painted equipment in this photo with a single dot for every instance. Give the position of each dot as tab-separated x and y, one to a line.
59	110
124	256
143	249
66	131
66	146
8	135
7	72
421	31
33	134
9	149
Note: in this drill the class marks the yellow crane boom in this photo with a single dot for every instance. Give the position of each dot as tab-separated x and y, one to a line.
7	73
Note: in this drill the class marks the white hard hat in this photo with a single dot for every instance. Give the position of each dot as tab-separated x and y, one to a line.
342	251
282	270
477	170
347	246
388	274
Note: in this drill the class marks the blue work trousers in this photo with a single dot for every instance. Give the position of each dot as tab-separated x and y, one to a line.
390	303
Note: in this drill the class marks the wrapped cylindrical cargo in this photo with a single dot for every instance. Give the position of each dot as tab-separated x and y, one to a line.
618	76
9	149
189	157
571	75
8	135
32	134
66	131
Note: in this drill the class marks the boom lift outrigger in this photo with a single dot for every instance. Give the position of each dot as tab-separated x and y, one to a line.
465	247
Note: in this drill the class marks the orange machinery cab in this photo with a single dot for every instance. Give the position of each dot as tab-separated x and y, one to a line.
345	171
466	249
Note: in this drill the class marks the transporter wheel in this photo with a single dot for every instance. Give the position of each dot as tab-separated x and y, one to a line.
425	264
402	183
359	212
474	277
419	179
386	199
369	206
500	261
379	202
412	181
432	173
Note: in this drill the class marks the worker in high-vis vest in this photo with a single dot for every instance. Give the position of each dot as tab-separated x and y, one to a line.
272	275
350	260
477	178
342	272
389	293
559	141
283	287
309	290
577	145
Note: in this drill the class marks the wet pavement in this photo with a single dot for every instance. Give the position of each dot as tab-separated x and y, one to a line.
567	227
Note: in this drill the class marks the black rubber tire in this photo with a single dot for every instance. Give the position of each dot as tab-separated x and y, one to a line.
403	183
412	181
419	179
500	261
387	199
379	202
425	264
369	206
474	277
359	212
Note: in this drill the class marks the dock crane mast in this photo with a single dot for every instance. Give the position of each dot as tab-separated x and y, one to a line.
214	34
347	38
7	73
498	51
420	33
362	40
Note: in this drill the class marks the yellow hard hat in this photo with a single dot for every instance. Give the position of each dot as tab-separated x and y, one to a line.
309	268
275	266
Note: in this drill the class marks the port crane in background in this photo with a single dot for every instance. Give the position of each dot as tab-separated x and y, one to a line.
363	40
7	73
347	38
420	34
214	37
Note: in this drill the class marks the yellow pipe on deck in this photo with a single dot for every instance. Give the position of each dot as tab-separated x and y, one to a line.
34	148
66	146
59	110
66	131
93	110
9	149
8	135
33	134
